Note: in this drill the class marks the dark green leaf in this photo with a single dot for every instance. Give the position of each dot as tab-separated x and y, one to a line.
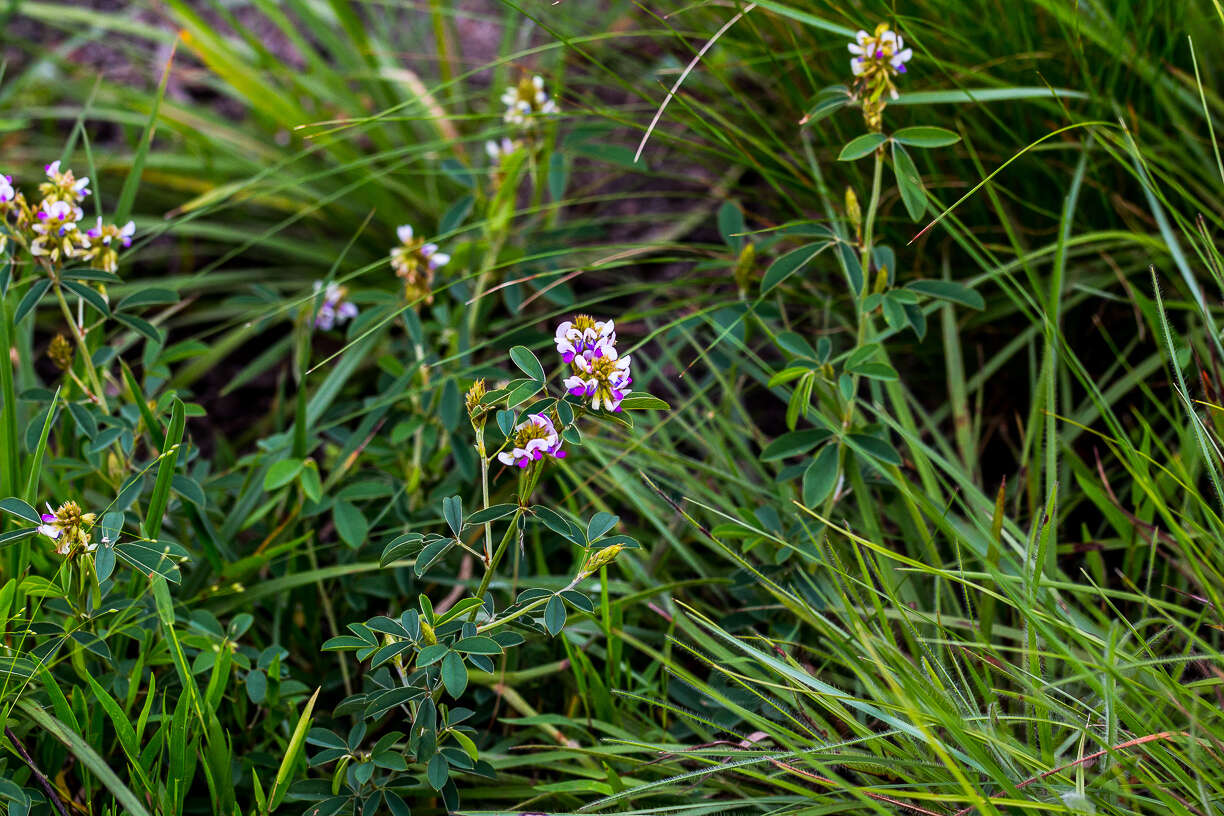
926	136
454	674
948	290
793	444
21	510
554	615
790	263
875	448
909	183
527	363
861	146
820	476
31	298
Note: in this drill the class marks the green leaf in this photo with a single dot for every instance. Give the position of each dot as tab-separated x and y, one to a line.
88	294
452	511
491	513
876	371
312	485
527	363
437	772
820	476
454	674
350	523
948	290
641	401
165	469
13	536
600	524
789	264
431	654
281	473
794	443
875	448
909	183
794	343
430	554
152	296
31	298
731	224
21	510
861	146
554	615
478	644
284	774
256	686
926	136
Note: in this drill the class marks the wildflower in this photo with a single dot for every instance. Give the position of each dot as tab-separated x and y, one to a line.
55	228
527	101
532	439
335	310
7	193
415	262
63	185
67	528
583	337
498	151
878	57
100	242
883	51
603	377
60	352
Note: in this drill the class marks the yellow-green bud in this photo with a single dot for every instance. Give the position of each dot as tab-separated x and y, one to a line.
427	633
745	267
881	281
854	213
601	559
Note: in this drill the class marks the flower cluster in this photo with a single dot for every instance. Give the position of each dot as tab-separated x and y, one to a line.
67	527
600	374
527	101
335	310
532	440
415	262
878	57
51	230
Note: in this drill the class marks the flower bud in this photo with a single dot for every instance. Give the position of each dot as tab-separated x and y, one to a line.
855	213
601	559
427	633
744	268
60	352
472	399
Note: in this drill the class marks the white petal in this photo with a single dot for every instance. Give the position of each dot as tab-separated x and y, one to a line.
404	233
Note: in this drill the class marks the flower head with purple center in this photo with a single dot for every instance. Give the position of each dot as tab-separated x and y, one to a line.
603	378
533	439
584	336
882	52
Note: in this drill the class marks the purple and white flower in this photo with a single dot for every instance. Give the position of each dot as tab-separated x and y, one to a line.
603	377
334	310
884	49
533	439
584	336
63	184
416	261
66	526
7	193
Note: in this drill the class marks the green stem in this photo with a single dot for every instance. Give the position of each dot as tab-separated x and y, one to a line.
77	334
493	624
491	567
